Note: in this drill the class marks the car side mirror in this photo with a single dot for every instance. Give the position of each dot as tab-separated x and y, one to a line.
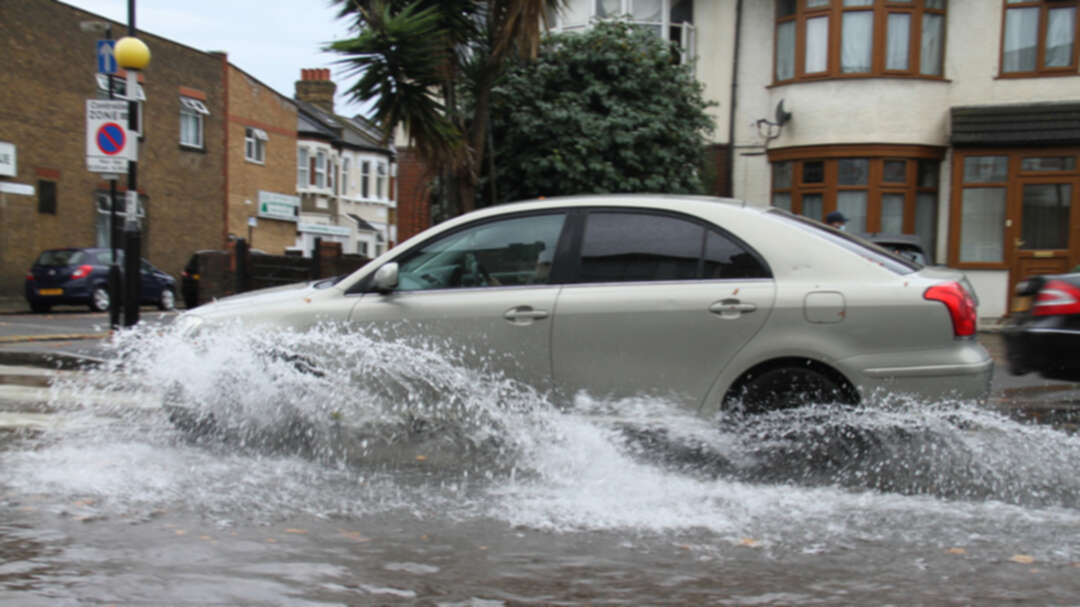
386	278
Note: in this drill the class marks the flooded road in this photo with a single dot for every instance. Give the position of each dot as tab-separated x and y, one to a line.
323	469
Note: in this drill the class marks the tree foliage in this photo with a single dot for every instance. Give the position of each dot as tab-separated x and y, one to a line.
418	60
608	110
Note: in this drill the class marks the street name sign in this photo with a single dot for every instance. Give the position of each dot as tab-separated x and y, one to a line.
109	144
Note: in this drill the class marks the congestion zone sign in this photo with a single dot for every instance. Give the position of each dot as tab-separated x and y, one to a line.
109	144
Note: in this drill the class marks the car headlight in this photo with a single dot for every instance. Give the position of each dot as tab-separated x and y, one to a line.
188	325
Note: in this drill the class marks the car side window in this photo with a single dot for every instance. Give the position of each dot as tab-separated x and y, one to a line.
627	247
505	252
726	258
636	247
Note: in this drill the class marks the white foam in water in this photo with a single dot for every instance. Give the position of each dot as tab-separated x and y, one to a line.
405	426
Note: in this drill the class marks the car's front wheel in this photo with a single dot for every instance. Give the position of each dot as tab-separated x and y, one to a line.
788	387
167	300
99	299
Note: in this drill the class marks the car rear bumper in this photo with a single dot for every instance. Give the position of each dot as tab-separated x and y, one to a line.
62	294
963	372
1046	346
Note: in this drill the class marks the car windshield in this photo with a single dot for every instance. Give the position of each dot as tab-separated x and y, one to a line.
886	258
62	257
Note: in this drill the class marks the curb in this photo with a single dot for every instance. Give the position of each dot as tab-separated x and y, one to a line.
21	339
66	361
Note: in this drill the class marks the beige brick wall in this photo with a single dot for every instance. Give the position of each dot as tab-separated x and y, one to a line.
47	75
253	104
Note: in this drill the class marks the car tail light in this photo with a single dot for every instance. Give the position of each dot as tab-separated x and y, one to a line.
29	276
1057	297
82	271
960	304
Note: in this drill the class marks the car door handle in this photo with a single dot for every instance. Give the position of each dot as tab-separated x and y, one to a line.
523	315
731	308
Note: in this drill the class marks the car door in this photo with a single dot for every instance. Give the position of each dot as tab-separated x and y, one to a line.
481	293
658	306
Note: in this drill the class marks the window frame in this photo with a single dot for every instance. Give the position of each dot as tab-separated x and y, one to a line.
321	159
834	11
302	174
1015	176
875	187
193	110
1041	71
255	145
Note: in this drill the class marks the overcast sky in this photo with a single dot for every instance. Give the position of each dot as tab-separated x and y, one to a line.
271	40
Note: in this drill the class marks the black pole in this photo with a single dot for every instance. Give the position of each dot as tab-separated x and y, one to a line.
132	244
243	272
115	285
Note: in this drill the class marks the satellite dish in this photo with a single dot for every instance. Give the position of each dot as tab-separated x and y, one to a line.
781	116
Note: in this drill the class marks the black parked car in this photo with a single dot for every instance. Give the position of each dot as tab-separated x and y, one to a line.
81	276
1045	336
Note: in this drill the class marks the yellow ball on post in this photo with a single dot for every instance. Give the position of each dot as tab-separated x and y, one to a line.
131	53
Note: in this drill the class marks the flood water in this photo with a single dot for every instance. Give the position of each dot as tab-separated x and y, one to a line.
340	470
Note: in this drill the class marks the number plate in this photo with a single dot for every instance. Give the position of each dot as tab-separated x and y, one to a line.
50	291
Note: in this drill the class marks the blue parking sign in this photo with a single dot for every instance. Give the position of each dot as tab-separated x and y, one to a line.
106	58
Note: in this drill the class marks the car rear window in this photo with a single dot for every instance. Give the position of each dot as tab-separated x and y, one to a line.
60	258
884	257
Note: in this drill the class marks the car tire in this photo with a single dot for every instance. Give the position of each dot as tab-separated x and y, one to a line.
99	299
787	388
40	308
167	301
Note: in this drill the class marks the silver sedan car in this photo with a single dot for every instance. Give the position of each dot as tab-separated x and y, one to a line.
711	303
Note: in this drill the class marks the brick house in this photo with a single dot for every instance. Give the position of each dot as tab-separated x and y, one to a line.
344	174
49	198
261	141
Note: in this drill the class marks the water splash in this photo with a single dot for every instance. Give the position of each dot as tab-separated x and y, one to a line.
336	422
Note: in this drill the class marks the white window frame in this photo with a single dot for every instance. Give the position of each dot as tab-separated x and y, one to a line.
380	180
192	111
321	160
344	182
302	162
255	145
365	179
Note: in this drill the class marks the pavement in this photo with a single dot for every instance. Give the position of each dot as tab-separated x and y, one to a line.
50	346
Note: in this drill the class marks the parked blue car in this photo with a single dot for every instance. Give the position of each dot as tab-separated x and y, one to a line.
81	277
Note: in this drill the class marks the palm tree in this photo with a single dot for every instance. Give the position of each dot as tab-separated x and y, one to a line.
417	59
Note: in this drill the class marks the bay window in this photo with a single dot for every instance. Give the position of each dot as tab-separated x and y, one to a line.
858	38
880	189
1040	37
676	17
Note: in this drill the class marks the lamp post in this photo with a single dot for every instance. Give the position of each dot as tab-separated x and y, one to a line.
133	55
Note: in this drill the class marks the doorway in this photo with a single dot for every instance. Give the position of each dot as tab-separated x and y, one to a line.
1042	214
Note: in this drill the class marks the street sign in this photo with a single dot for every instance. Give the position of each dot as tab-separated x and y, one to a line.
106	58
7	159
109	143
16	188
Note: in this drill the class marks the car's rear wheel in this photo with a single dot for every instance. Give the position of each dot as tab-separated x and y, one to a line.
167	300
40	308
789	387
99	299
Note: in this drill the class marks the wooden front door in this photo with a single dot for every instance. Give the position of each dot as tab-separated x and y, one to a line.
1041	218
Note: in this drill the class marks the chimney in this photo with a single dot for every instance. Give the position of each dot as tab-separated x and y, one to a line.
315	87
